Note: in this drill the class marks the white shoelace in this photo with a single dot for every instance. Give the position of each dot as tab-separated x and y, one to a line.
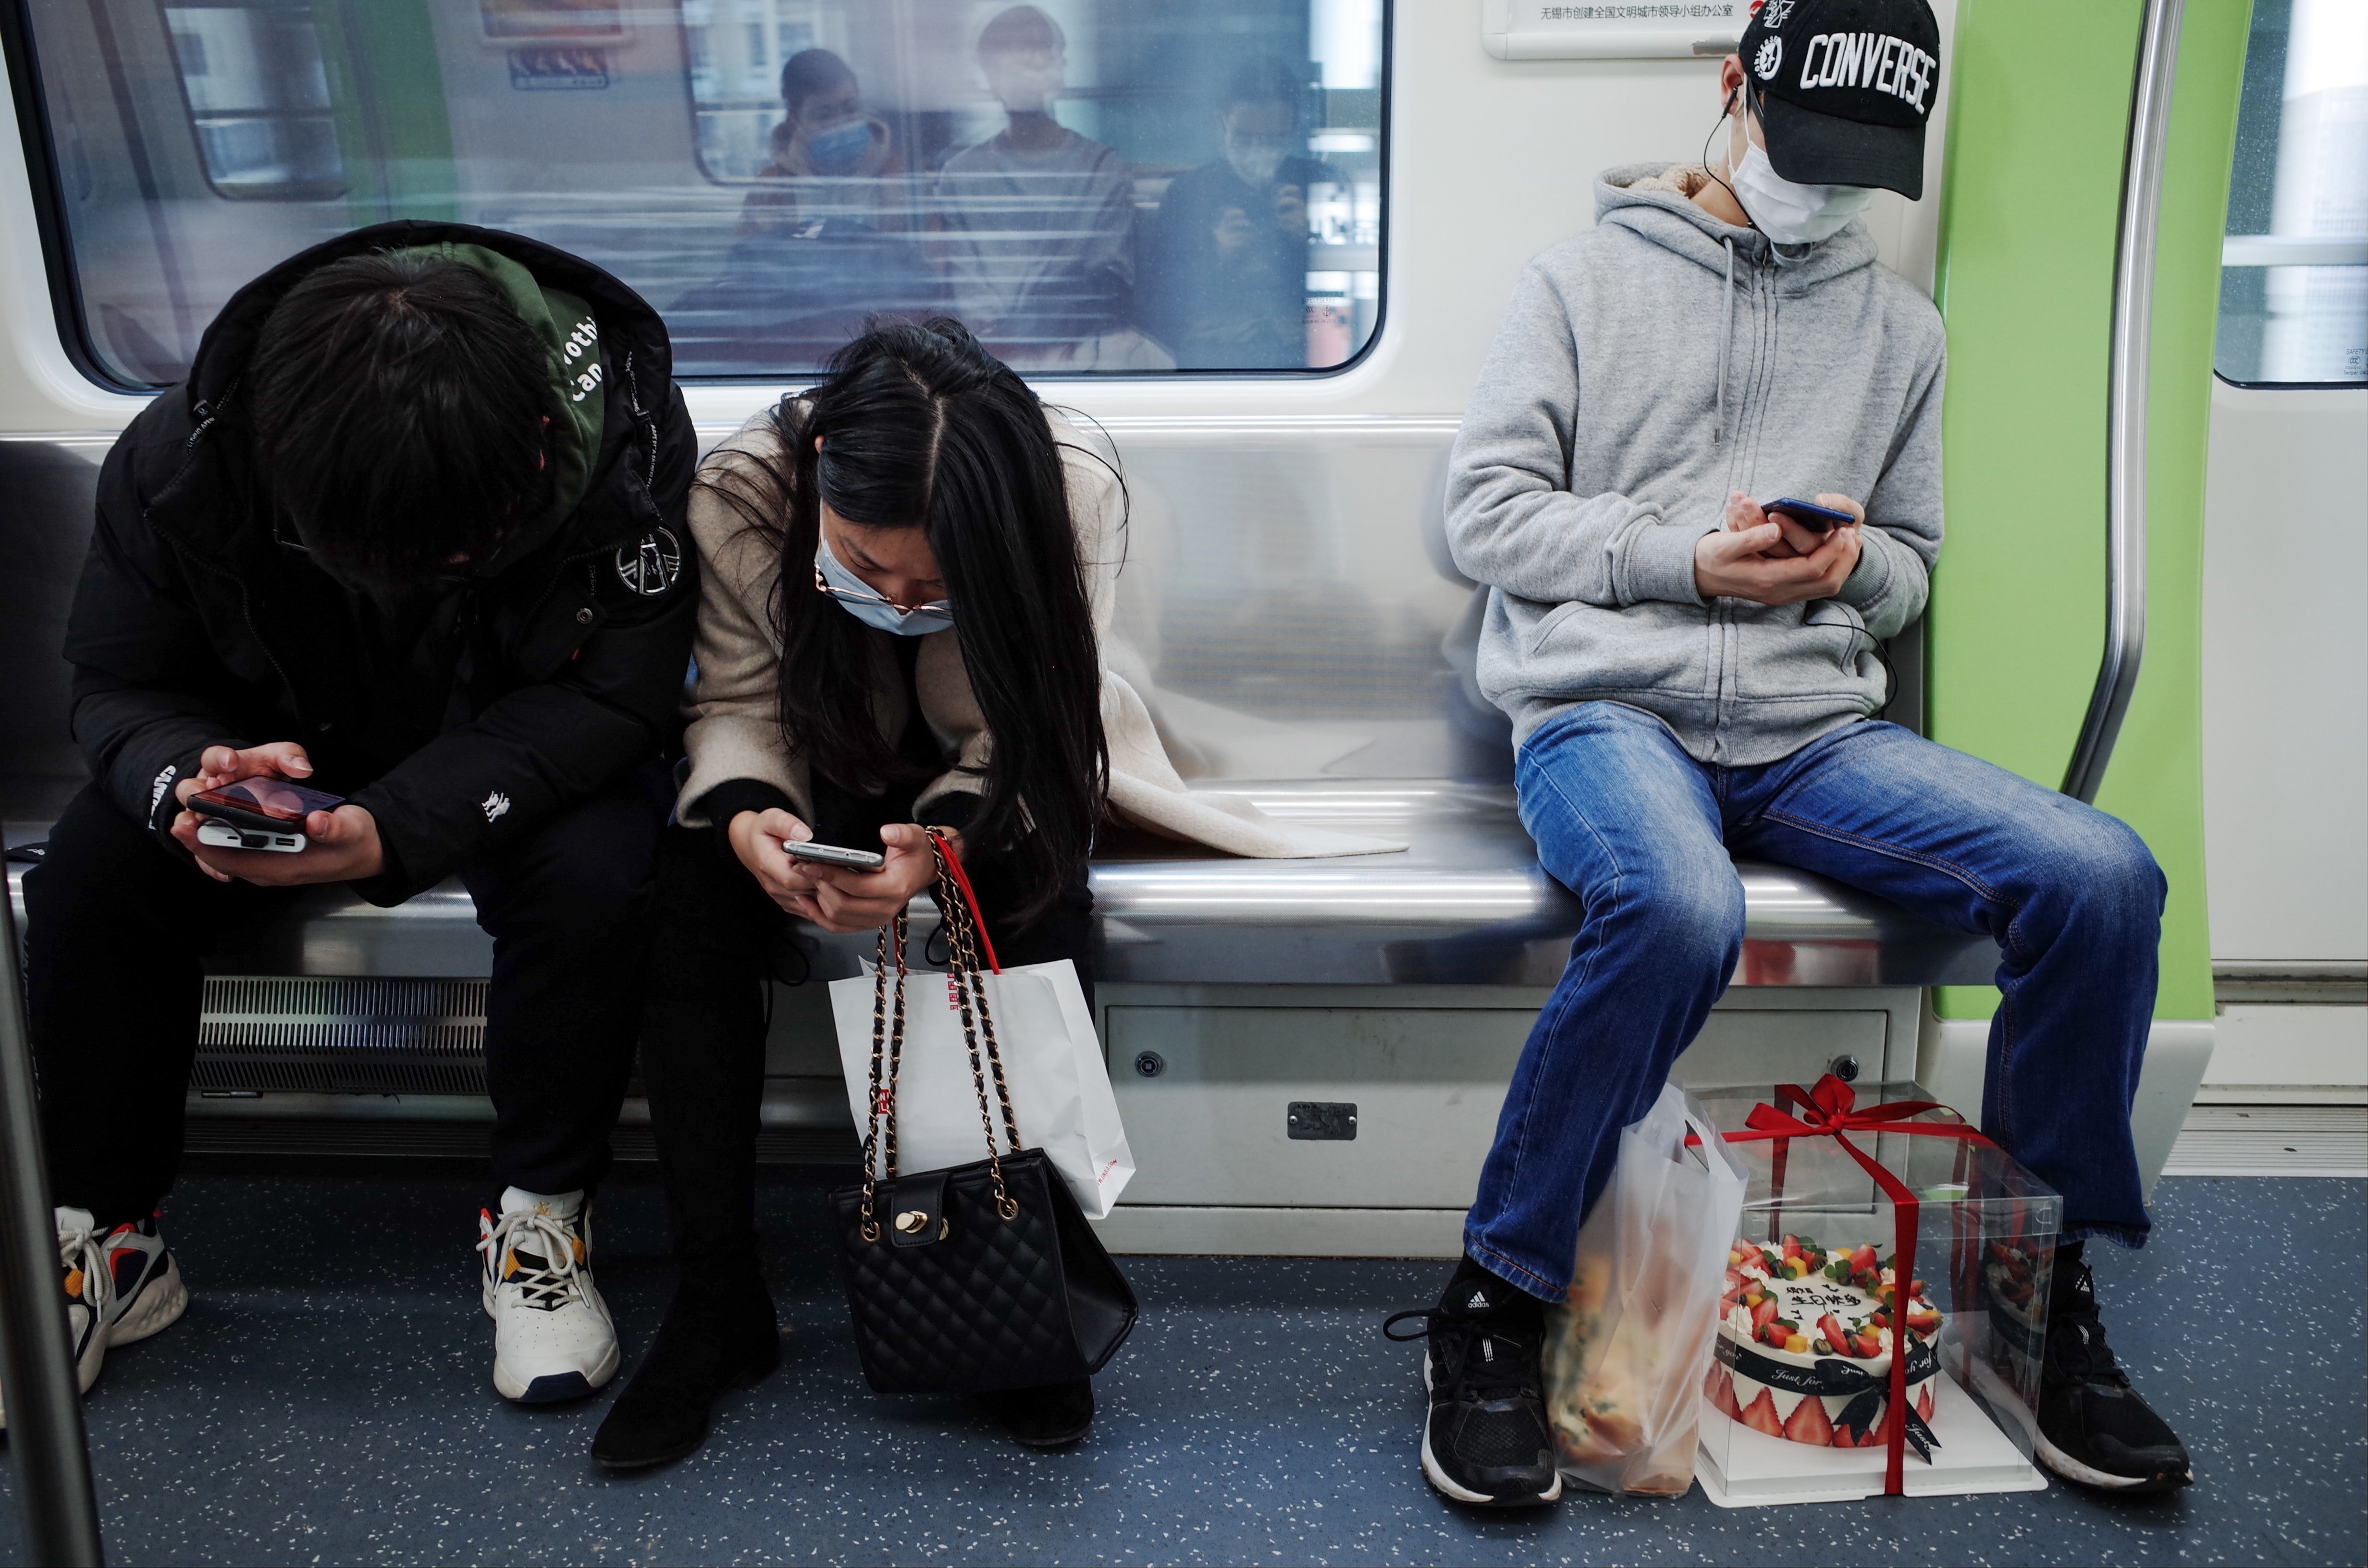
79	1248
560	1280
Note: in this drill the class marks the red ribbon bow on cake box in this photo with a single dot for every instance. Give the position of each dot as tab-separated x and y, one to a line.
1829	1110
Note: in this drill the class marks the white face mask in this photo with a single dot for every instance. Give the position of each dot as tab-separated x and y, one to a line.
1256	158
1792	214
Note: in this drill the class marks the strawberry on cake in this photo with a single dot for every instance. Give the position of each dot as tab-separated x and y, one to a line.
1804	1345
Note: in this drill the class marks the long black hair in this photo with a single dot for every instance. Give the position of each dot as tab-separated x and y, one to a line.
921	428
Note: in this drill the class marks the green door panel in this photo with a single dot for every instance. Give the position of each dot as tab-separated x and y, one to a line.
2039	119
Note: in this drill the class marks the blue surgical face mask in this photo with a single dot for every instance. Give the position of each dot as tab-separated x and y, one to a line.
838	150
859	600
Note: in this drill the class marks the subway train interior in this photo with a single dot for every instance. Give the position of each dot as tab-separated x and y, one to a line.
2145	226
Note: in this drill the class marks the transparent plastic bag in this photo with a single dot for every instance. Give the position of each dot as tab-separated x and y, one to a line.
1626	1354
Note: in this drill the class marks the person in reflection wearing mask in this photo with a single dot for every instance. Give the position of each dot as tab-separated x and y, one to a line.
1226	268
825	142
1693	676
1038	222
411	533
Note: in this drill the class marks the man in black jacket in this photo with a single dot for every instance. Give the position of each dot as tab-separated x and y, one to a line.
411	533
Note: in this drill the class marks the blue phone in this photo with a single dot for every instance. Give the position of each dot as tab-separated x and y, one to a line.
1809	515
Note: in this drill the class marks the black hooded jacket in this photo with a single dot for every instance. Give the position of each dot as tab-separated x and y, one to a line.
193	625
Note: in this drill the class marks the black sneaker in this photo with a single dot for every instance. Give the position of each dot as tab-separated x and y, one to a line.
2093	1427
1485	1440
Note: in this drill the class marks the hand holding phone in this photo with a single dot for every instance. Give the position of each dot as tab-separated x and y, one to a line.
832	855
286	833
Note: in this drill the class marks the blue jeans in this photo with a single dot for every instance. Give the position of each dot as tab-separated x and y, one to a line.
1642	834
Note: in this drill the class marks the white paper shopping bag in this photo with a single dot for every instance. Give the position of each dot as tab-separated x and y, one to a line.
1051	1060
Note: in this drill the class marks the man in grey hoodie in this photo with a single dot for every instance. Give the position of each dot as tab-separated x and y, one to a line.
1692	676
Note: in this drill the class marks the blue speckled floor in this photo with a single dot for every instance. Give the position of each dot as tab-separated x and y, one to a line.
326	1400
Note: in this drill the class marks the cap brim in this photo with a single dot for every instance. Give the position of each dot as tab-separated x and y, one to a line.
1822	149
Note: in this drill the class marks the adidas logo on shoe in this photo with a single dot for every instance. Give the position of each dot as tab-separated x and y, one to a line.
1479	1302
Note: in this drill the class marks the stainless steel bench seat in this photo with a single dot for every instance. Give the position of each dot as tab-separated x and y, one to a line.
1466	905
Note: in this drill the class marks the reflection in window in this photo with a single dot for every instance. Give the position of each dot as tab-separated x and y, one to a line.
1121	188
258	99
2293	291
1097	186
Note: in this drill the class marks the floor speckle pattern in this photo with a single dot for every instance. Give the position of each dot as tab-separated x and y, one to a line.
326	1400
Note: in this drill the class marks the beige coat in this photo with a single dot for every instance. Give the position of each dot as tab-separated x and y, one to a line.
734	712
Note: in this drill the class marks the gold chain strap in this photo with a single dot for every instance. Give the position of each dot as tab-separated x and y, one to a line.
967	984
893	1038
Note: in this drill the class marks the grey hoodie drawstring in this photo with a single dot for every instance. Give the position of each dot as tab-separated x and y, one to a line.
1726	333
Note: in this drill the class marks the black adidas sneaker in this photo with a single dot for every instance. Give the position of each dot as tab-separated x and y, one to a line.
1485	1440
2093	1427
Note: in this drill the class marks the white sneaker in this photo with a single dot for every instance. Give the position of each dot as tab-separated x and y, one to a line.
120	1287
553	1337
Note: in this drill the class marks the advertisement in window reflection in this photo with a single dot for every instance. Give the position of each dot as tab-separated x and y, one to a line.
1093	186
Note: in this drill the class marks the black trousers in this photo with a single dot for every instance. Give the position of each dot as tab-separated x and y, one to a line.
718	940
118	928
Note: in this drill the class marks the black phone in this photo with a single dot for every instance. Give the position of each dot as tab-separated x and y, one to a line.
1809	515
264	803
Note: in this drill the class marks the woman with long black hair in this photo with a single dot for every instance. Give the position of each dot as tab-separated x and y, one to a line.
896	632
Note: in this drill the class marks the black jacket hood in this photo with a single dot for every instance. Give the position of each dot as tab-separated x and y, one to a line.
633	346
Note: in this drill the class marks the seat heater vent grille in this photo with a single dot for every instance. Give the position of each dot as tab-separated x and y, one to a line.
267	1033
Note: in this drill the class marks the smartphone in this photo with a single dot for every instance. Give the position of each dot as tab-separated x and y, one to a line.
1809	515
263	803
832	855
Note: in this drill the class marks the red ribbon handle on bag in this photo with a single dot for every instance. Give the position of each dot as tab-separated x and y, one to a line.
962	881
1831	1110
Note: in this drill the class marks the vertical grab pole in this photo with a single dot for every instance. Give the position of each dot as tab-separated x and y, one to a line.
2126	408
37	1380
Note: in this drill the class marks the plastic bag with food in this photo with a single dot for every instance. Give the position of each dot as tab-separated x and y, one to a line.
1626	1354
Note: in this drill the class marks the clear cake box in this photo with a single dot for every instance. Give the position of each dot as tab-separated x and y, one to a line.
1796	1402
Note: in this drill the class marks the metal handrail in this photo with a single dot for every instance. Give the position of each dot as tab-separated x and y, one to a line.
2126	402
37	1378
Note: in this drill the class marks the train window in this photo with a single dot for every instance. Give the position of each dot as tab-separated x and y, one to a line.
258	99
1095	187
2293	286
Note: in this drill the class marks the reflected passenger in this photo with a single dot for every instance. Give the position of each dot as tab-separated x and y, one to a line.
826	238
1225	270
826	141
1039	222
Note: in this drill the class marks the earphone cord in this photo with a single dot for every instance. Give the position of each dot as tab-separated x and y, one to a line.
1714	174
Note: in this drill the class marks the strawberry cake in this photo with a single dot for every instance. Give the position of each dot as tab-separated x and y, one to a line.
1804	1345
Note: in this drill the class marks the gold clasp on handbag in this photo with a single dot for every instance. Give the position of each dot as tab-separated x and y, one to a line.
911	1220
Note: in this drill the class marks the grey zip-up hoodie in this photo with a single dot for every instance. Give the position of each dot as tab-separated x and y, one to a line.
1644	370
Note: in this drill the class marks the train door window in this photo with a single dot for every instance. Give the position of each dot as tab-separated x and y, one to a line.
2294	285
259	98
1129	188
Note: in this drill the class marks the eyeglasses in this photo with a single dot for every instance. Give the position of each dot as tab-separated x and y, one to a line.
858	597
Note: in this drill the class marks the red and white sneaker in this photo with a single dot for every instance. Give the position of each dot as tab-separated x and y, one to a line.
553	1337
120	1286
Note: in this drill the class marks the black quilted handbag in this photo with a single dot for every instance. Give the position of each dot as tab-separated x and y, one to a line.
978	1277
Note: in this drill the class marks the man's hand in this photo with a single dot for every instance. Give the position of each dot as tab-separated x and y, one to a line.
1290	212
1232	233
1773	561
757	838
341	847
864	901
218	765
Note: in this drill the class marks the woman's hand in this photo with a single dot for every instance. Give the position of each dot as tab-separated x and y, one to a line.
757	838
864	901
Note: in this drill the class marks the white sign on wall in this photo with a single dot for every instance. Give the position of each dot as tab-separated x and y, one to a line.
1601	29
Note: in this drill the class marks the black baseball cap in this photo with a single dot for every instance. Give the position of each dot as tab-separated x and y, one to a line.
1844	89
